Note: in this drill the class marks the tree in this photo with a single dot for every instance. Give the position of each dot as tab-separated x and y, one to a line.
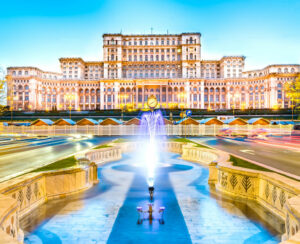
292	90
3	94
3	107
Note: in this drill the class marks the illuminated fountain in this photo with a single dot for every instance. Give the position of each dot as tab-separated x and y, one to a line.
152	129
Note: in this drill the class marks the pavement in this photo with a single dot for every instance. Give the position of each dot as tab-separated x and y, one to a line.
285	159
195	213
21	155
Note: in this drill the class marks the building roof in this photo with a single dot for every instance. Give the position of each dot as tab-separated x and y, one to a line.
46	121
253	120
228	121
186	119
132	121
113	119
154	35
93	121
282	122
68	121
204	121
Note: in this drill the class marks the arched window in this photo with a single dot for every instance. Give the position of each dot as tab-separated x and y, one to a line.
286	70
279	70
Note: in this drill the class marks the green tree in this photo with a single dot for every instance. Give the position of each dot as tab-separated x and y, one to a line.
3	107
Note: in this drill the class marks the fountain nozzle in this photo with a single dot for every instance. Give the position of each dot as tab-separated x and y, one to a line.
151	191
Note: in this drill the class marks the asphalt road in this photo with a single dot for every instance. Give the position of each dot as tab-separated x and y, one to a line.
20	156
286	160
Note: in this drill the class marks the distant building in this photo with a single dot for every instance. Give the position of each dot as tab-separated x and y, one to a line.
137	66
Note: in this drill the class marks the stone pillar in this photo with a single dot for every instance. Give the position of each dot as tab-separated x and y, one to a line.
228	100
143	95
167	95
187	97
101	95
247	99
160	94
76	99
116	95
213	172
202	95
136	96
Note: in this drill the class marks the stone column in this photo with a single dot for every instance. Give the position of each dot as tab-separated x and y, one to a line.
101	95
76	99
160	94
187	90
167	95
136	96
202	95
143	95
116	95
213	172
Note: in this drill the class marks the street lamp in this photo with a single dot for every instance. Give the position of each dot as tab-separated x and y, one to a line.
123	98
12	99
70	98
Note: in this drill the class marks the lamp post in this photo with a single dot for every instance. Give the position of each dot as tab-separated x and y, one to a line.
70	98
12	99
122	98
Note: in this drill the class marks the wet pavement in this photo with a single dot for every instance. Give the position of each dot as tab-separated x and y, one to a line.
22	156
194	213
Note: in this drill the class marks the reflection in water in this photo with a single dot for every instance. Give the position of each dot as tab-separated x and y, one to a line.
192	206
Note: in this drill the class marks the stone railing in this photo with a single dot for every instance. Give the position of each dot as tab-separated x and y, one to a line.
277	193
193	153
9	223
21	195
105	154
175	147
169	130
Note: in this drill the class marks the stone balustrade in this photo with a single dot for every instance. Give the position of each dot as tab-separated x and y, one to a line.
193	153
279	194
106	154
21	195
175	147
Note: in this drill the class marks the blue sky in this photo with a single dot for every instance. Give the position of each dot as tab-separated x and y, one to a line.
39	32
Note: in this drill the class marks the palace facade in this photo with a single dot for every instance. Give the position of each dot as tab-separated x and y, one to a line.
137	66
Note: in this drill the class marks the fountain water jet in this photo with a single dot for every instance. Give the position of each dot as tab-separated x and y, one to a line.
152	130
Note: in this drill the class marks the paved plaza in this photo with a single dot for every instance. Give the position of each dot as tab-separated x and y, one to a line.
107	212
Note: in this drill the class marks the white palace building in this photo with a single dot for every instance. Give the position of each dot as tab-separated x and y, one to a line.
137	66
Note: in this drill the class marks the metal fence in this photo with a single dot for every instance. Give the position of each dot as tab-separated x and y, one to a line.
175	130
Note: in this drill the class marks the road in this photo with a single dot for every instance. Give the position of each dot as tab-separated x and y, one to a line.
24	154
287	160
